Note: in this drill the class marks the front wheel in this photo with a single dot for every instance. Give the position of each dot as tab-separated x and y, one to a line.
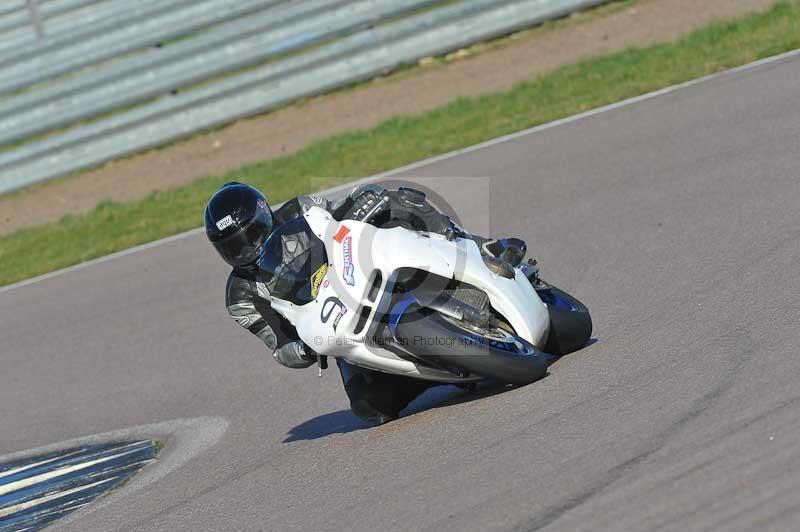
570	321
494	354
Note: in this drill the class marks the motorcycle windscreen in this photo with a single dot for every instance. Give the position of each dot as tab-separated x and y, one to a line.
292	262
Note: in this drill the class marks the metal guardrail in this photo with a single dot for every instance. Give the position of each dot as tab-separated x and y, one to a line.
144	26
230	47
246	57
79	19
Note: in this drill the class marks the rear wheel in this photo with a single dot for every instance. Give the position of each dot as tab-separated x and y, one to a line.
462	348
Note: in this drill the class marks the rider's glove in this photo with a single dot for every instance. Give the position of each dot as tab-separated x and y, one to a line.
293	355
412	207
364	204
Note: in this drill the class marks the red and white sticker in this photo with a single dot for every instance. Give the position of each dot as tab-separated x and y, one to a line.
341	233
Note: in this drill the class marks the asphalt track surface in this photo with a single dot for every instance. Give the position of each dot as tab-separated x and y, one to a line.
676	219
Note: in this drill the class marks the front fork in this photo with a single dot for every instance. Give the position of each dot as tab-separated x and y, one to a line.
531	271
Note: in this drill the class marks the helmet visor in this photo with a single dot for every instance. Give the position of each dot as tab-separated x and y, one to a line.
243	247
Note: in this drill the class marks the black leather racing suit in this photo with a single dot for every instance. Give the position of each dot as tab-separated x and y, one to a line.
372	394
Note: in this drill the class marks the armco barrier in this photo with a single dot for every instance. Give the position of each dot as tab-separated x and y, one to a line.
105	89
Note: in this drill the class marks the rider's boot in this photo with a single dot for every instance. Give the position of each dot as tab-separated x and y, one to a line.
376	397
367	412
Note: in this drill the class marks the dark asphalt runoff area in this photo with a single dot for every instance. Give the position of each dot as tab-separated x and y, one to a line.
676	219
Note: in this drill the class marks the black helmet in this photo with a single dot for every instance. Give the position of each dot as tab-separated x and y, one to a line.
238	222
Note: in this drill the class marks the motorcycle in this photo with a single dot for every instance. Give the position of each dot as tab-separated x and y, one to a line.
420	305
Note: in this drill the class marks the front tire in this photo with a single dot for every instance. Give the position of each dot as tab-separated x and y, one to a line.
495	354
570	321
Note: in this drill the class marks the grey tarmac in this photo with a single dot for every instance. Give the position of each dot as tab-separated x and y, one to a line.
676	219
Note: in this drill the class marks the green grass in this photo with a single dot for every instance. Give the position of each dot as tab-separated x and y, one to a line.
572	89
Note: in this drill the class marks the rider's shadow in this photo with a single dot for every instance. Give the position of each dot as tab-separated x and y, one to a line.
340	422
344	421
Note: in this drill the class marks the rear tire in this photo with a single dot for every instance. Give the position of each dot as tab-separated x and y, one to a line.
570	322
496	355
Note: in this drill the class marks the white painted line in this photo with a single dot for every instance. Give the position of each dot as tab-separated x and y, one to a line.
30	481
438	158
56	495
35	464
185	439
122	253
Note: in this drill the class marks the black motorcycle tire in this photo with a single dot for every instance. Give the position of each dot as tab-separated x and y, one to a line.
570	322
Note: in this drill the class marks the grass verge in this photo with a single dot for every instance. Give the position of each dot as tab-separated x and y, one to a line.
569	90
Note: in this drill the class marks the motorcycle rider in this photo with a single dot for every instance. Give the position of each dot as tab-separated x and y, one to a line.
238	222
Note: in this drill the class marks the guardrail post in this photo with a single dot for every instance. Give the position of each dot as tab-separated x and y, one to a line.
36	19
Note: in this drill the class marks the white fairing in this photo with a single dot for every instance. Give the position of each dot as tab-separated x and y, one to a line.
356	251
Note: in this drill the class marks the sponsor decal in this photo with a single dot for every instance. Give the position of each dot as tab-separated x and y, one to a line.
326	283
341	233
316	279
225	222
330	305
348	272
